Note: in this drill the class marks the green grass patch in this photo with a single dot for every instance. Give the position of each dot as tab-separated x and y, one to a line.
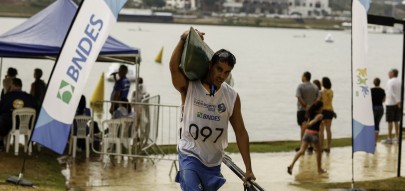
271	146
41	168
390	184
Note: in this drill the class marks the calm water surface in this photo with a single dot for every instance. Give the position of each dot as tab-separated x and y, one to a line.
269	66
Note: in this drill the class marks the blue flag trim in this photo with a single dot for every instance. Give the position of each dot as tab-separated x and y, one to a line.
51	133
363	137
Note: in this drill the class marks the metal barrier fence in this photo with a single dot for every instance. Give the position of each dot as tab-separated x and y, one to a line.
153	125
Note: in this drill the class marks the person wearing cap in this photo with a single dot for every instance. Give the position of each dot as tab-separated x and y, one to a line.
207	105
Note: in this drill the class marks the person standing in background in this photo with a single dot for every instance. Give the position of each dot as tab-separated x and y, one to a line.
306	93
141	93
38	87
328	113
7	81
393	105
121	87
378	98
318	84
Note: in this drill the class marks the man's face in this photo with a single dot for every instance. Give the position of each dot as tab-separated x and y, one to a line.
219	73
303	79
122	72
390	74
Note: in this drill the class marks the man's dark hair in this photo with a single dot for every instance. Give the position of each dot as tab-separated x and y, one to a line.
123	67
38	72
307	75
377	81
12	71
395	72
17	82
326	83
318	84
140	80
223	56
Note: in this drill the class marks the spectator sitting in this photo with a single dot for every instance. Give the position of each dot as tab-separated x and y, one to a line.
14	99
123	109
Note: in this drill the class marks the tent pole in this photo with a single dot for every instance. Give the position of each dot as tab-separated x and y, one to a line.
351	108
402	107
137	67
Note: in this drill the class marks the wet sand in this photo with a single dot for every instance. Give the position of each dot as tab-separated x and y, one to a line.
270	170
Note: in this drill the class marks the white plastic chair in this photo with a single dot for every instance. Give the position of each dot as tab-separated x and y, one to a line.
111	137
26	118
129	133
82	132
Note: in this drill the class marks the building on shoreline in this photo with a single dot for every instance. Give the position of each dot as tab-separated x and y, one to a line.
181	4
309	8
301	8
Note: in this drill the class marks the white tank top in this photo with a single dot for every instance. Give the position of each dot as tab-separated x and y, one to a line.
204	126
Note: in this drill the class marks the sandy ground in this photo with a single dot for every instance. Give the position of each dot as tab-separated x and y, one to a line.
269	168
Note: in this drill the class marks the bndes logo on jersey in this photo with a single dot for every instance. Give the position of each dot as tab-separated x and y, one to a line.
209	117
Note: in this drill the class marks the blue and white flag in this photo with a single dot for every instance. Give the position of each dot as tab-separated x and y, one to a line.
87	35
363	120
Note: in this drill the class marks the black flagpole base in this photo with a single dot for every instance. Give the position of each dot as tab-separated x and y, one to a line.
19	181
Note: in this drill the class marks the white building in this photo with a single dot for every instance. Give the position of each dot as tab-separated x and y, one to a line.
181	4
232	6
309	8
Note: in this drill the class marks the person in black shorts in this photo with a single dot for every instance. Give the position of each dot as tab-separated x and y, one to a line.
378	97
306	94
393	103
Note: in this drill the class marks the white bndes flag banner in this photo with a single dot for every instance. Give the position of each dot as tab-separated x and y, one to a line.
363	119
87	35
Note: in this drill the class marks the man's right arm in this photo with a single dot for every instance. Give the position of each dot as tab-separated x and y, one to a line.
299	97
179	79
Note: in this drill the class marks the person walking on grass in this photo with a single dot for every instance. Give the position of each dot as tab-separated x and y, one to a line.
311	135
208	105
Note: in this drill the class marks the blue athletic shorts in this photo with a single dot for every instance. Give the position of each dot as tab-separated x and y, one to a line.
195	176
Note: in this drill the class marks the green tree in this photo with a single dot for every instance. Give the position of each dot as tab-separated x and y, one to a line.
154	3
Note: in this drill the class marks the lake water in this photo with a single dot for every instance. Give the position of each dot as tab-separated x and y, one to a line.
269	66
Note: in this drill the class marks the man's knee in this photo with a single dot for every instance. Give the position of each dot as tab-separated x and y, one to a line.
189	180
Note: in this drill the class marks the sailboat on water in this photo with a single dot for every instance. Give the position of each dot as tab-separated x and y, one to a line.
329	38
